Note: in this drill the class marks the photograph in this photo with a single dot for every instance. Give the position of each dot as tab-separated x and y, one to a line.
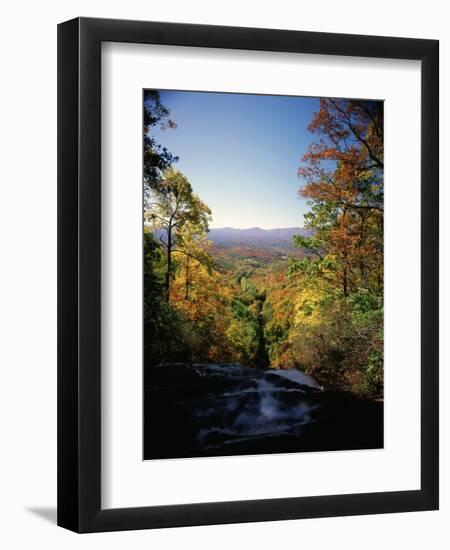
221	330
263	274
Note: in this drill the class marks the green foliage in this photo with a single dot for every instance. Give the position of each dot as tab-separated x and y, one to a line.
243	336
246	330
245	269
178	212
163	326
312	245
275	332
311	268
157	158
169	334
366	305
174	204
373	372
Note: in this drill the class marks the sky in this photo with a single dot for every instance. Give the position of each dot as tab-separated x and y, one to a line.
241	154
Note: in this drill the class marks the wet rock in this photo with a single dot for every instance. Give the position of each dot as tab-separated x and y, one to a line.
193	409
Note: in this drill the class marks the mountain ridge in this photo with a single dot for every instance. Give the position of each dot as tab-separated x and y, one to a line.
256	236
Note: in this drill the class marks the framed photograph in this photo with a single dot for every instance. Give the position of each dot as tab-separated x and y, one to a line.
247	276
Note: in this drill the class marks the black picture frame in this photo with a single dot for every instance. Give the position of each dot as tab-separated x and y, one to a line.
79	274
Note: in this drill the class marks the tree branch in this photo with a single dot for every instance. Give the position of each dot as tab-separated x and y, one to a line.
163	242
199	260
358	136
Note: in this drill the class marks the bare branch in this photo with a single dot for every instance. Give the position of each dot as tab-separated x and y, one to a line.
372	155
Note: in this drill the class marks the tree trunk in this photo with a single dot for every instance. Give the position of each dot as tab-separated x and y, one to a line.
169	263
186	291
362	265
345	279
345	262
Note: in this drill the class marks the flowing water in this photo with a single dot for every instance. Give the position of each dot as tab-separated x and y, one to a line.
193	409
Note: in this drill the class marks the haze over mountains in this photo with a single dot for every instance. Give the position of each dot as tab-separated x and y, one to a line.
252	237
256	236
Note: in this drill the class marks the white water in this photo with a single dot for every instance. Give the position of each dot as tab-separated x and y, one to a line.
258	403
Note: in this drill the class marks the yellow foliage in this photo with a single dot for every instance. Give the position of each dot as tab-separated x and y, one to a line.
306	310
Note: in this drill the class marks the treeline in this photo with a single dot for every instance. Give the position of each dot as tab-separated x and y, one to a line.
338	317
323	312
179	322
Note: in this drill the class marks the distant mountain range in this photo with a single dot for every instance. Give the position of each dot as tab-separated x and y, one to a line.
255	236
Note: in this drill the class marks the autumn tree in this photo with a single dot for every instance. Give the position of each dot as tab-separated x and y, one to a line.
172	208
157	158
206	308
193	248
164	327
337	331
343	180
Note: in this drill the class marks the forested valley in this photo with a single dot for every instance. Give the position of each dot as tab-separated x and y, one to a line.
315	305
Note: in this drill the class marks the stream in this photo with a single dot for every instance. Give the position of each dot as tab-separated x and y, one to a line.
195	409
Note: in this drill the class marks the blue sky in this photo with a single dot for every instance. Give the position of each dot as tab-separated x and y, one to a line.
241	153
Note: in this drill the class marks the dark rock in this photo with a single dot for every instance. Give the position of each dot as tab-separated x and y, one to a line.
227	409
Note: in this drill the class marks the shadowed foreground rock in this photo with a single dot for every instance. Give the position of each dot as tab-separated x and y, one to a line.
193	410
